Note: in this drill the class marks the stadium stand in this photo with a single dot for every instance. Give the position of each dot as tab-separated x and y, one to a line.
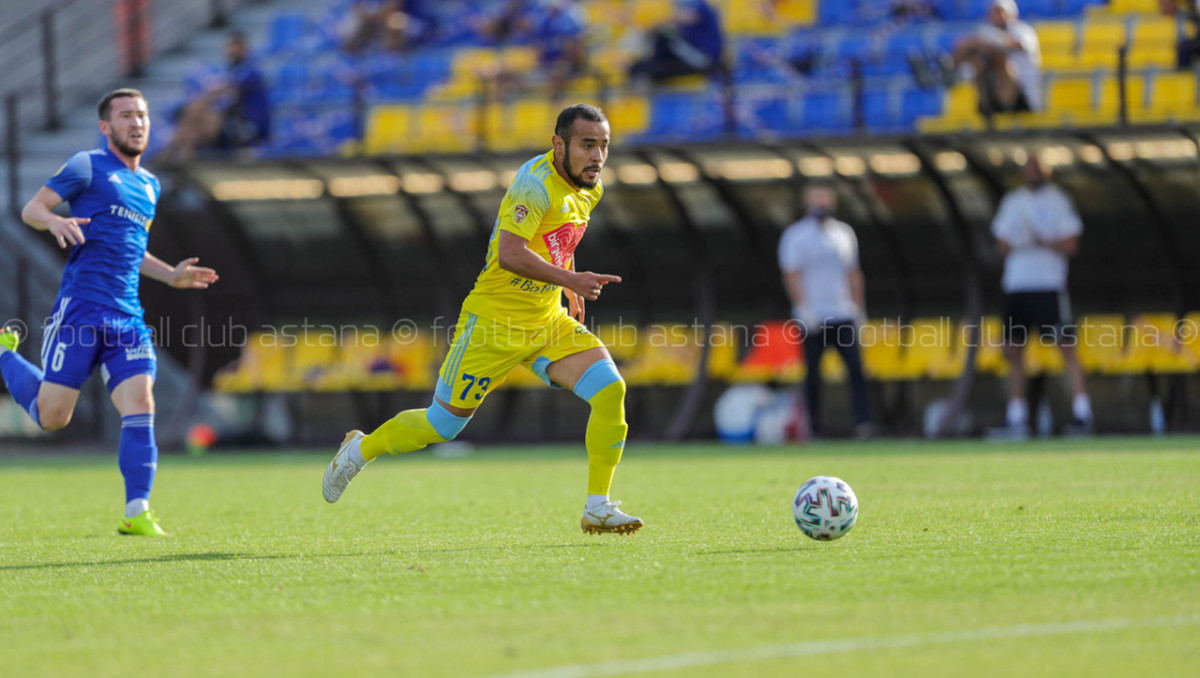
792	67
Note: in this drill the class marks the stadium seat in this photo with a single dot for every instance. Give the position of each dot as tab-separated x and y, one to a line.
1135	94
1057	40
650	13
1070	94
1102	344
1153	43
1173	93
1098	47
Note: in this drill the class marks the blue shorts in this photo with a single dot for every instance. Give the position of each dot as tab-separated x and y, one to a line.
82	335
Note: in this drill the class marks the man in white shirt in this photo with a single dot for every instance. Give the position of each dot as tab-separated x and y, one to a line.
1037	230
818	256
1006	57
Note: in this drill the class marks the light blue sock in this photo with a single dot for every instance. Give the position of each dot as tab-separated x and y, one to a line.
137	455
23	380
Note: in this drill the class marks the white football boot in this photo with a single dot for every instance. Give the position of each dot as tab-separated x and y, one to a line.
608	518
341	470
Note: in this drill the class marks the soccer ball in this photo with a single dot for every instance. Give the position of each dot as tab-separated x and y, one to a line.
825	508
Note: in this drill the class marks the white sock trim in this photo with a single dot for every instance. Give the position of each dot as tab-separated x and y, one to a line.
596	500
354	454
137	507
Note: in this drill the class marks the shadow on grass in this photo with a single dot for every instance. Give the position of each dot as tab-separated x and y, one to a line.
777	549
174	558
215	556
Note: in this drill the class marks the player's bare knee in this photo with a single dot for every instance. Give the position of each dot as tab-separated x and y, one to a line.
54	416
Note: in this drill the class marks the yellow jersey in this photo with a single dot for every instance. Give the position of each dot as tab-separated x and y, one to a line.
542	208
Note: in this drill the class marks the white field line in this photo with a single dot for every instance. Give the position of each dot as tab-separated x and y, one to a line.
674	662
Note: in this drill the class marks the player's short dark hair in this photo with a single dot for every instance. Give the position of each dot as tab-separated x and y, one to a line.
568	116
105	106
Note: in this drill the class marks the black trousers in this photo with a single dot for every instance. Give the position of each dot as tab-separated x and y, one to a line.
842	336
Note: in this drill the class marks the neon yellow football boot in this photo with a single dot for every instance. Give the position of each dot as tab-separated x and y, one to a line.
9	338
142	525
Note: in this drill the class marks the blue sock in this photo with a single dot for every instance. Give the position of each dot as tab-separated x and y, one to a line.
138	455
23	380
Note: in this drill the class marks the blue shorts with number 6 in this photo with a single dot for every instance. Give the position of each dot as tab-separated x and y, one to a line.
82	335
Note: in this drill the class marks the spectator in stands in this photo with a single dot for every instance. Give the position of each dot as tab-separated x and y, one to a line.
1037	230
233	114
510	22
559	32
1005	57
818	256
1188	47
393	24
691	43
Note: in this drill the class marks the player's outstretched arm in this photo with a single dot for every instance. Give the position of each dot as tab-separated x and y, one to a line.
39	213
515	256
185	275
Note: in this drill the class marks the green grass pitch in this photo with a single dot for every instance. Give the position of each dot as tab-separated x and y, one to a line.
1044	559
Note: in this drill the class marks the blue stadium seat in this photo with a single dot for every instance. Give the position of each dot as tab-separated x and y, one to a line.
289	30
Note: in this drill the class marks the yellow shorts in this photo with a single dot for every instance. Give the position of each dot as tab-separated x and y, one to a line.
484	350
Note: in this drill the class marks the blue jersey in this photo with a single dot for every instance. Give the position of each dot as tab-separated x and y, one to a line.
120	203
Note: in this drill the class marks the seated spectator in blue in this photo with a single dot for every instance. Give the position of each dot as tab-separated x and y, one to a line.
395	25
1187	47
690	44
234	113
559	34
509	23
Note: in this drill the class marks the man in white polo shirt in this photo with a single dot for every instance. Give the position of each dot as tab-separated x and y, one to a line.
818	256
1038	229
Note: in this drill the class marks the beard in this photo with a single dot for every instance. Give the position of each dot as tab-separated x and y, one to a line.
578	179
126	146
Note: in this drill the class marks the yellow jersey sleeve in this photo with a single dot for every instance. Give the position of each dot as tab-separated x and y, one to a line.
524	205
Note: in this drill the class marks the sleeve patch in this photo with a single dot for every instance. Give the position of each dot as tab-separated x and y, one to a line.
519	213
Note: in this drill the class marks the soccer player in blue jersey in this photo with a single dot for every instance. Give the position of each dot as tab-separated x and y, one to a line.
97	319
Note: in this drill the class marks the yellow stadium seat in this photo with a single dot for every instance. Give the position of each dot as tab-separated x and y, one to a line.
944	125
629	114
1157	344
962	101
1100	42
1133	6
1174	92
311	356
446	129
796	12
833	370
1101	343
1135	94
881	350
531	122
1156	56
748	18
650	13
668	355
621	340
1056	36
470	62
388	129
1069	94
989	358
1042	357
519	59
1155	30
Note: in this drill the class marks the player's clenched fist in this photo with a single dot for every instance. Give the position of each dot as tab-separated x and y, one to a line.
68	230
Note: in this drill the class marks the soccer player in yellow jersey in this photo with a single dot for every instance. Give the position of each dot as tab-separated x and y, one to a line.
515	316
